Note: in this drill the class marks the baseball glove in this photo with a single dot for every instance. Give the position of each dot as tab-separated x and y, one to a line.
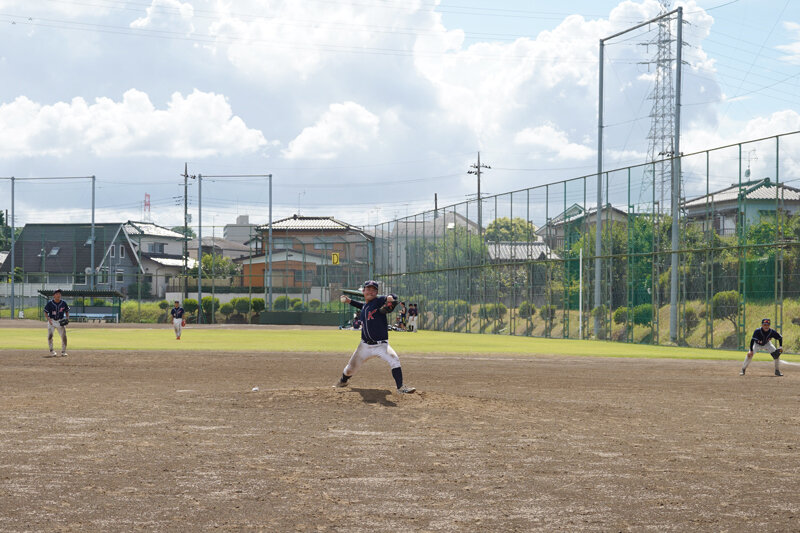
63	322
183	323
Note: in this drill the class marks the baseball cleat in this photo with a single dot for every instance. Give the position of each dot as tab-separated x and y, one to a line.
63	354
405	389
341	383
778	373
741	372
52	353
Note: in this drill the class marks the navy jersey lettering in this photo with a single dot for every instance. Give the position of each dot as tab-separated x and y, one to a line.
374	326
177	312
56	311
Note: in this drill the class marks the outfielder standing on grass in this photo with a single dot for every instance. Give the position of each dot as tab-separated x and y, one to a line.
374	336
177	319
761	343
57	313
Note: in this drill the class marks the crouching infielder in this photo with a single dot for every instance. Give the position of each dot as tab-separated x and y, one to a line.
761	342
177	319
374	336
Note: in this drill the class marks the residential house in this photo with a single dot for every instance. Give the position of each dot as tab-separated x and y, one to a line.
567	227
757	198
310	256
59	256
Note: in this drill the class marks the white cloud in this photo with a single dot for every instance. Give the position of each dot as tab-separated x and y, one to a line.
554	141
300	38
171	14
198	125
792	49
342	126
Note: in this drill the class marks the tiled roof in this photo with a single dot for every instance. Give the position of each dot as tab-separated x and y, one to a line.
174	262
510	251
150	229
303	223
756	190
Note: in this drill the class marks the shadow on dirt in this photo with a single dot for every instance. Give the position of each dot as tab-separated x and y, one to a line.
376	396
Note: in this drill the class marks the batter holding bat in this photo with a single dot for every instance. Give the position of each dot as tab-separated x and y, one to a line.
761	342
57	313
374	336
178	322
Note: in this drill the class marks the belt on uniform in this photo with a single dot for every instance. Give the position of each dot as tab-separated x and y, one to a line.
374	342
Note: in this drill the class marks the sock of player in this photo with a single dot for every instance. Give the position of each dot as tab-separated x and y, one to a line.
777	363
746	362
397	374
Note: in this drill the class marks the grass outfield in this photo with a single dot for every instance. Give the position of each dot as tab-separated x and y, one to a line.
334	340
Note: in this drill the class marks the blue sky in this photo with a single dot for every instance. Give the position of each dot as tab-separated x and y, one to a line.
362	109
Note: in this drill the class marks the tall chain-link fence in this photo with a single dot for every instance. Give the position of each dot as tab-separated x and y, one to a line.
529	267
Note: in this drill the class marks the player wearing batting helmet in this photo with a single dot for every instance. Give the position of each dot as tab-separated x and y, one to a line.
374	336
761	342
57	313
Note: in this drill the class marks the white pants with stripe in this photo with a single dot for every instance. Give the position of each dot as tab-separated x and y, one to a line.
176	323
368	351
62	332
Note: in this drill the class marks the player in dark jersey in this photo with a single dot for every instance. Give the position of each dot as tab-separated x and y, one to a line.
177	313
55	310
761	342
374	336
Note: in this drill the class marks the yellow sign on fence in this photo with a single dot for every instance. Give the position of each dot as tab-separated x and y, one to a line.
335	258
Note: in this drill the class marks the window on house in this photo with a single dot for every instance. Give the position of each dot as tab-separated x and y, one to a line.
148	278
156	247
321	243
80	278
111	251
121	251
120	276
103	277
281	243
54	251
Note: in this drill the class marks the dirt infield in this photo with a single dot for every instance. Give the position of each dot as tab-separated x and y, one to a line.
178	441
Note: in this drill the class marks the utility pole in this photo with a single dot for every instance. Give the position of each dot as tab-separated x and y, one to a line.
477	171
185	229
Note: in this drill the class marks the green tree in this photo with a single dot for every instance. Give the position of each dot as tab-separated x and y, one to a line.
226	309
210	307
506	229
281	303
190	305
184	231
258	305
725	305
242	305
164	305
216	266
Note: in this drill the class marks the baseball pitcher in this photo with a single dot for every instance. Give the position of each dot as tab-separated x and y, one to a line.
374	336
57	313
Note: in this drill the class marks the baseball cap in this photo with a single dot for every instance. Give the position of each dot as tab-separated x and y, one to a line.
56	291
371	283
765	321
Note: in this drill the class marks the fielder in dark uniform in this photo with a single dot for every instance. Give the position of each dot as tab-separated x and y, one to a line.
56	311
374	336
761	342
177	319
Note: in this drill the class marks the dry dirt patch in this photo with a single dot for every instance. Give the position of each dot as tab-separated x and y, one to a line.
177	441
